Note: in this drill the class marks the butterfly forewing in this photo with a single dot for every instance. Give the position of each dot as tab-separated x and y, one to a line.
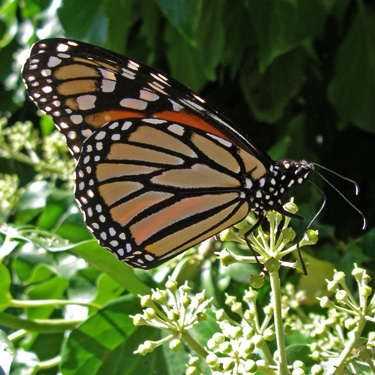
82	87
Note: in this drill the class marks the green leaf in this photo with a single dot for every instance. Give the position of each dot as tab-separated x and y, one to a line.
123	361
46	125
352	89
175	362
28	257
312	285
211	37
40	273
8	22
236	26
53	288
104	261
269	93
89	345
281	26
5	281
119	26
108	289
185	61
150	29
184	15
84	21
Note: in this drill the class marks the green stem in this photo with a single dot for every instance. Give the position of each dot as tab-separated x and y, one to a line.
50	302
37	325
49	363
276	302
349	346
194	345
267	354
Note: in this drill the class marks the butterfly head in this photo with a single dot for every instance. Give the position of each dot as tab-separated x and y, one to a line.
277	185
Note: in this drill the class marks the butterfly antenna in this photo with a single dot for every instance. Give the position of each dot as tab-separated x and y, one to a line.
338	191
321	207
338	175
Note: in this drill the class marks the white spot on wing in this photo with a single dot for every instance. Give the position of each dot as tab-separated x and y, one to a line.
47	89
62	47
100	135
108	85
108	74
63	55
86	132
126	125
86	102
137	104
176	107
53	61
45	72
133	65
148	95
76	119
176	129
155	121
128	74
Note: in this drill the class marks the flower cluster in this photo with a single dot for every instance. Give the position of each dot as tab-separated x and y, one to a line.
235	350
174	310
8	195
338	339
48	156
270	248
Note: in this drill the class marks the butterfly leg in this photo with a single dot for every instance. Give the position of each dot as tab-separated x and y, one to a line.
247	234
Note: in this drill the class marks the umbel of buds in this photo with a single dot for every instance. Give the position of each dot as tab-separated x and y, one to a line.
173	309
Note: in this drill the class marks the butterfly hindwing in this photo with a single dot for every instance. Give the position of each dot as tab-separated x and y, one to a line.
151	188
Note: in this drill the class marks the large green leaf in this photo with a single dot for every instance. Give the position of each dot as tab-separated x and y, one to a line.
211	37
352	90
90	345
269	93
123	361
186	62
53	288
280	26
104	261
184	15
120	18
84	21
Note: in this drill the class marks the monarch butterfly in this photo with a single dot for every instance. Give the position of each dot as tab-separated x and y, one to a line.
158	170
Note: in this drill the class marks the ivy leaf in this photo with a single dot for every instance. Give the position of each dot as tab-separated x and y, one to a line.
352	89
